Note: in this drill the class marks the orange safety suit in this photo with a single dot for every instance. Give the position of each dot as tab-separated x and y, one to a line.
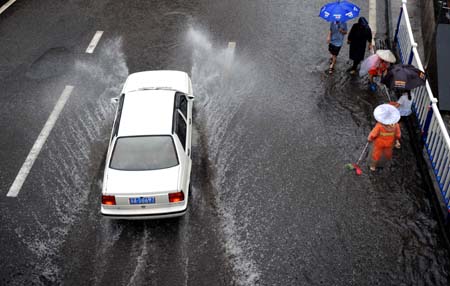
383	137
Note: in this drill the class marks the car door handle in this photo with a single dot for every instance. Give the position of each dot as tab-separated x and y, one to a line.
189	152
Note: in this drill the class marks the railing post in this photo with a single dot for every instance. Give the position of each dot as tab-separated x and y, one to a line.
427	122
435	134
411	54
398	25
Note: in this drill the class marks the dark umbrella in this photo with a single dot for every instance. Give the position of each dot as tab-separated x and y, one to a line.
404	77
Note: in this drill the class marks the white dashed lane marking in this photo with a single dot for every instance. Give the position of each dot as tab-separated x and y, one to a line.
40	141
90	49
6	5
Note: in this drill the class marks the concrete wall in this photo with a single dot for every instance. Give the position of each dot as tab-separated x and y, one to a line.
428	28
428	56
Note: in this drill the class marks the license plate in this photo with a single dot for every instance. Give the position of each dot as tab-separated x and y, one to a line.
142	200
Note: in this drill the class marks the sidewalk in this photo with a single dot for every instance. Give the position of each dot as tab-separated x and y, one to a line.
414	11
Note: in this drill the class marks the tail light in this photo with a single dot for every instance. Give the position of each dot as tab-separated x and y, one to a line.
108	200
176	197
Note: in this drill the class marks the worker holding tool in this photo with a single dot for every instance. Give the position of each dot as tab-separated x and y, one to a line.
385	134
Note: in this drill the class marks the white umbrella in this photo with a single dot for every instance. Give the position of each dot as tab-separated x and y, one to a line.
386	114
368	63
386	55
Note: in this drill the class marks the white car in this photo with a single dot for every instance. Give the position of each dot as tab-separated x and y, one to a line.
148	164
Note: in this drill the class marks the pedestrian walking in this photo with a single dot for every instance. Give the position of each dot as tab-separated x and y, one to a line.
335	40
359	35
385	134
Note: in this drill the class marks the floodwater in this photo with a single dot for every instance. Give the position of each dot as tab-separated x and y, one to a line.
279	132
272	202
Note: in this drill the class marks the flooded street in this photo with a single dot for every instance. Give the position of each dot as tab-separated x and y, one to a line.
272	202
280	132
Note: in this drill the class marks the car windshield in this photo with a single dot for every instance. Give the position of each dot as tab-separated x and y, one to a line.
144	153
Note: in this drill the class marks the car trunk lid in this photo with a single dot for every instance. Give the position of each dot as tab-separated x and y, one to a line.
142	182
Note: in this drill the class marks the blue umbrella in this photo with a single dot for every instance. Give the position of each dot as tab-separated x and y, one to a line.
341	11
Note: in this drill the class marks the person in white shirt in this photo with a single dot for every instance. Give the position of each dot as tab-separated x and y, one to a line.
403	104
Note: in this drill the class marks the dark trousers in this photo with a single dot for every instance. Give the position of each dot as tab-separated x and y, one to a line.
355	64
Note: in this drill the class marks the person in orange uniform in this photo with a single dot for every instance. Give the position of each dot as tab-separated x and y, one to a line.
380	69
385	134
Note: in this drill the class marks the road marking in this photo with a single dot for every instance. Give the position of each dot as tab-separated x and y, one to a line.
373	19
29	161
6	6
90	49
229	56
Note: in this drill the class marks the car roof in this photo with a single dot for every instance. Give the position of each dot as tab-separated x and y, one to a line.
148	112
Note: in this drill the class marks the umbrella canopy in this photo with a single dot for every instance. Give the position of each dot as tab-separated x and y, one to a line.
386	114
404	77
386	55
368	63
341	11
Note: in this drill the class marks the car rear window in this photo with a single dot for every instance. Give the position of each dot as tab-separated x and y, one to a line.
144	153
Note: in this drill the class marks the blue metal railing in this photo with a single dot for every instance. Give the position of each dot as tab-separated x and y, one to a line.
434	132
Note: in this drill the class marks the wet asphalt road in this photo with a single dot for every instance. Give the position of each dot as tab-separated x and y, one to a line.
272	203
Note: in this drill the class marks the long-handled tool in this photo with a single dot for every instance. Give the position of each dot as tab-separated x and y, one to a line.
384	88
386	91
355	166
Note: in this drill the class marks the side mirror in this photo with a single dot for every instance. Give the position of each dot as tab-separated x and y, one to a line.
190	96
114	100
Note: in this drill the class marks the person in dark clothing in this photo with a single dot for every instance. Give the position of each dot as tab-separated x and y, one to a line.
360	33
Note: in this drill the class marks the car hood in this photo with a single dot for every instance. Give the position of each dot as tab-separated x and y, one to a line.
119	182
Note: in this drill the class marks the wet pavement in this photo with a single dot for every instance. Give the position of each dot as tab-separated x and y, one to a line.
272	203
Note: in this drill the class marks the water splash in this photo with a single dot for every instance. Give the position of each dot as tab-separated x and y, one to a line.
109	234
221	80
109	69
141	264
70	160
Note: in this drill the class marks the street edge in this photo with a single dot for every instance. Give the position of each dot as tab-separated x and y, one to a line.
373	19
